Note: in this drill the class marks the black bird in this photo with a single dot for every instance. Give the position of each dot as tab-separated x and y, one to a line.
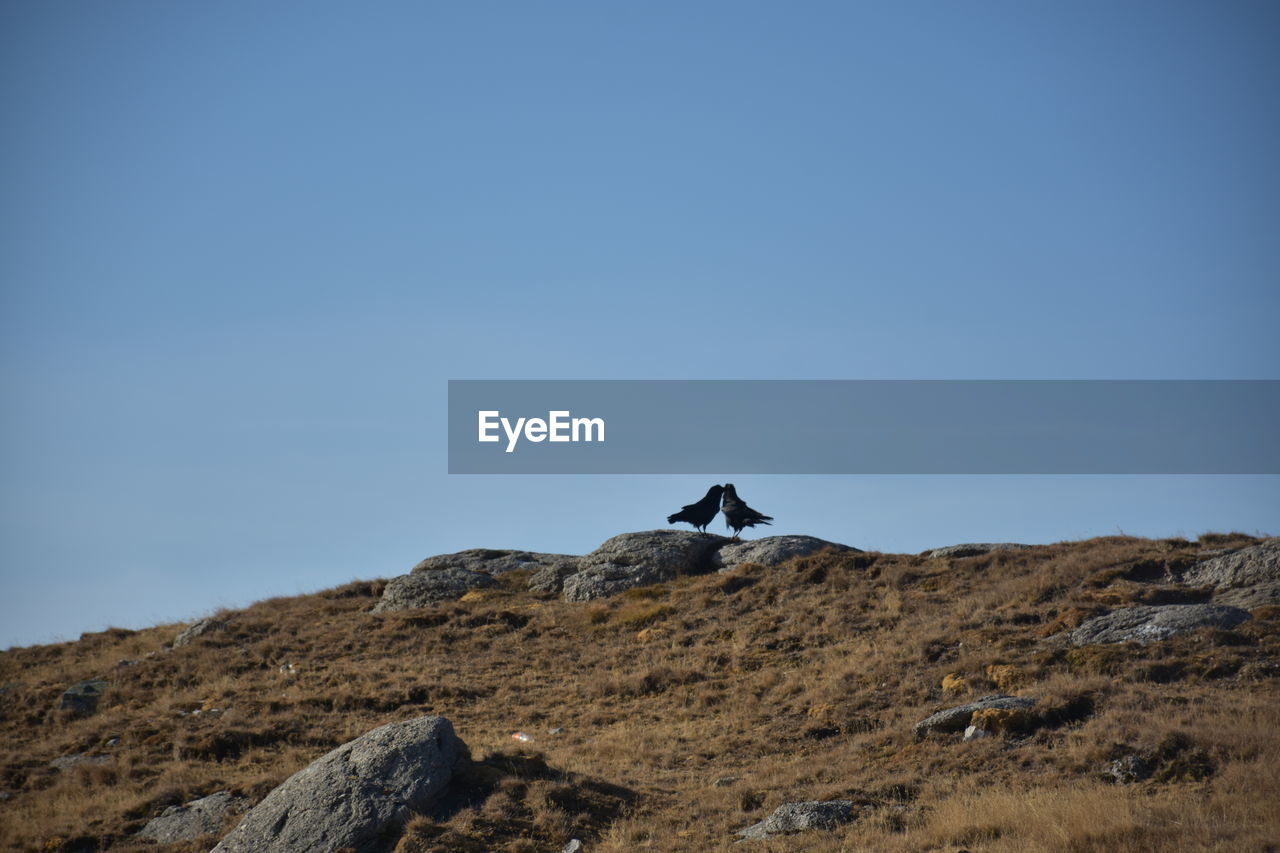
701	513
737	514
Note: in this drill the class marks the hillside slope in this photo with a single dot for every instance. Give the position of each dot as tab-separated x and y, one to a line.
668	717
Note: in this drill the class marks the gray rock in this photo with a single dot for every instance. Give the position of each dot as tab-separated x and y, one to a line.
669	552
66	762
608	579
640	559
357	795
1130	768
957	719
550	578
798	817
974	549
1250	597
773	550
199	629
198	817
82	698
493	562
1146	623
1247	566
574	846
426	588
1246	578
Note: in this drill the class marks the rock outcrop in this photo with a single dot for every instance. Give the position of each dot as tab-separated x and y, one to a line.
789	818
493	562
1148	623
957	719
199	629
1247	578
445	577
550	579
192	820
640	559
357	795
773	550
973	549
606	579
423	589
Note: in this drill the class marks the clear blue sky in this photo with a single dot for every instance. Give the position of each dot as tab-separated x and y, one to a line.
243	245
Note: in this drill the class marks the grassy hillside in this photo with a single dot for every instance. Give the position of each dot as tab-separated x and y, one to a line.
686	711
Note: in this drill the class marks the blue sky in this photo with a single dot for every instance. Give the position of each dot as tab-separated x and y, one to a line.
243	246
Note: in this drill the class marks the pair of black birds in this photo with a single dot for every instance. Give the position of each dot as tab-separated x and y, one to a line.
737	514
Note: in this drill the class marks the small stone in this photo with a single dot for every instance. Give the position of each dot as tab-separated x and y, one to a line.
1130	768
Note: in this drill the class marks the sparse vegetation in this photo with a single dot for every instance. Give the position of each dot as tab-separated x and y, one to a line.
668	717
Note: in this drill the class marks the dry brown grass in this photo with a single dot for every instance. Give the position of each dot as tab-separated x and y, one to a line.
689	710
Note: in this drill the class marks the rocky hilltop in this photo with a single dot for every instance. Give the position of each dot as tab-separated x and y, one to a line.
679	691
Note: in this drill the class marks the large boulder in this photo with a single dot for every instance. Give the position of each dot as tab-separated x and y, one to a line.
424	589
493	562
640	559
606	579
198	817
973	549
357	796
957	719
774	550
669	552
1147	623
1247	578
798	817
448	576
550	579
